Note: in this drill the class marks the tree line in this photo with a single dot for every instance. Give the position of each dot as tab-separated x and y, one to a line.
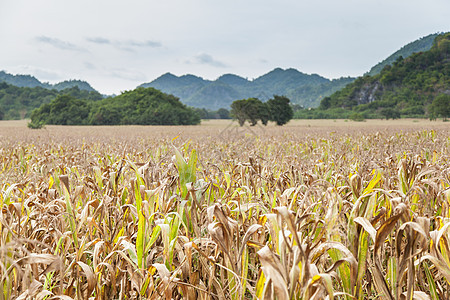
148	106
18	102
253	110
142	106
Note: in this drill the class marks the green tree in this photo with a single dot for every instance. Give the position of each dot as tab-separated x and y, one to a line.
280	110
143	106
390	113
264	113
358	117
19	102
251	110
63	110
404	87
441	106
105	115
238	112
223	113
202	113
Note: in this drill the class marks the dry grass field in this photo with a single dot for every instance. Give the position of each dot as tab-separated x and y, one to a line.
311	210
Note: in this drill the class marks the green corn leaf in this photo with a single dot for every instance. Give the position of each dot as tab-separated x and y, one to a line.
431	282
140	240
373	182
71	216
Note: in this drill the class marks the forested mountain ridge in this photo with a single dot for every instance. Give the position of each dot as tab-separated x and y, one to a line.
303	89
20	94
407	88
31	81
420	45
19	102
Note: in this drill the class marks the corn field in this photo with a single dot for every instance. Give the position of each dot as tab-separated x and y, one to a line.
215	212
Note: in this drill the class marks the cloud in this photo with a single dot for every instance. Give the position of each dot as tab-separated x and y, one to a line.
98	40
124	45
57	43
151	44
206	59
89	66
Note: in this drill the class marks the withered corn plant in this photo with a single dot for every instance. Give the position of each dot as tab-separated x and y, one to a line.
282	215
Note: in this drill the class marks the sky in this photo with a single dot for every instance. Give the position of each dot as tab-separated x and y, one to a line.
118	45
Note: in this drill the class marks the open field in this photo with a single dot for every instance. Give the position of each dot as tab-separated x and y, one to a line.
215	128
314	209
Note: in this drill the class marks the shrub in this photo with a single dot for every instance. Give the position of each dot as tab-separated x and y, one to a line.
358	117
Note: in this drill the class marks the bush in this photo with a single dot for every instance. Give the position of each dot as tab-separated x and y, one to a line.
441	106
357	117
36	125
390	113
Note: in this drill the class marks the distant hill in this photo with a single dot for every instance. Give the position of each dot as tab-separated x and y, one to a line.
182	87
303	89
406	88
18	102
420	45
31	82
407	80
67	84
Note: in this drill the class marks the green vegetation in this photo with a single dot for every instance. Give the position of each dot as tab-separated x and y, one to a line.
405	89
18	102
140	107
303	89
441	106
31	82
420	45
67	84
63	110
206	114
390	113
403	85
38	125
356	117
253	110
280	110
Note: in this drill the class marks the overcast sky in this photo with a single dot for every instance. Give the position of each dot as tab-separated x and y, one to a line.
117	45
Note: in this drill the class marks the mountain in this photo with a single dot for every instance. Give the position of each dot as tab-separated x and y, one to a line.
182	87
67	84
18	102
306	90
213	96
232	79
420	45
408	80
406	88
309	95
20	80
31	82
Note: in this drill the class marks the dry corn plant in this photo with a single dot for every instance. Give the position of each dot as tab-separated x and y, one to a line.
317	215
